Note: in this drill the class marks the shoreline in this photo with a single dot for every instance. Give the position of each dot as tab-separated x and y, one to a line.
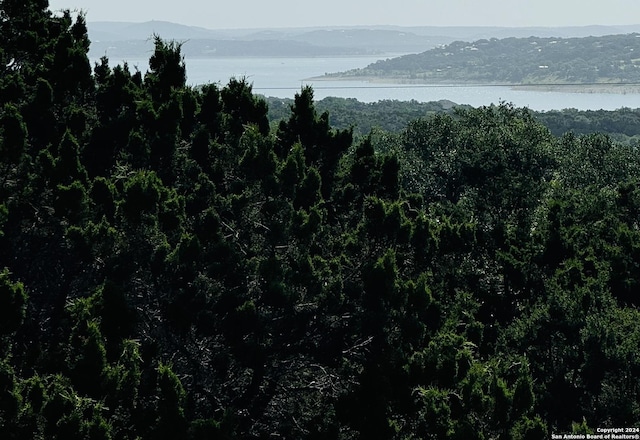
603	88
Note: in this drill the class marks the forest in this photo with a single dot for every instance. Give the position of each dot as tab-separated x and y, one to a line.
533	60
622	125
174	265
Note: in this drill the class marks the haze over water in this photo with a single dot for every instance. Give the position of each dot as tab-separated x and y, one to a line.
282	77
292	13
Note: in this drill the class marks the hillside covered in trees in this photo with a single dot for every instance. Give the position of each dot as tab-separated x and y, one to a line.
533	60
173	266
622	125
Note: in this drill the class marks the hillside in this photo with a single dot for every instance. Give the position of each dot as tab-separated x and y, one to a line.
121	40
622	125
533	60
133	40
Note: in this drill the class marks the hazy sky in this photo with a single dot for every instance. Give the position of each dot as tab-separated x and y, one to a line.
293	13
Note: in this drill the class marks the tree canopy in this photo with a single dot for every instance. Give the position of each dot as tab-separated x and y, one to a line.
174	266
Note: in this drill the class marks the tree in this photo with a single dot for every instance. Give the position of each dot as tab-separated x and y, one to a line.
322	146
171	421
13	302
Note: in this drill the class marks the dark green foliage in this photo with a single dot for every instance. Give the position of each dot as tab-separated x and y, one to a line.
322	146
171	422
362	117
67	165
141	195
13	132
9	400
241	108
175	269
623	124
71	201
529	429
167	72
13	301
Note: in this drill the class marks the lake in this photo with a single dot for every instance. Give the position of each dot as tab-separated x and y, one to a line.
283	77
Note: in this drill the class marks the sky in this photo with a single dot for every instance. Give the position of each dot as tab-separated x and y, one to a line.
225	14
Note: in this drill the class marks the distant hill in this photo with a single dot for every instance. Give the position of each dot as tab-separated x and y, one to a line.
133	40
207	48
120	40
472	33
121	31
533	60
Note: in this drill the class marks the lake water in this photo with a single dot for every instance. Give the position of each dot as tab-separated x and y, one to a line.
283	77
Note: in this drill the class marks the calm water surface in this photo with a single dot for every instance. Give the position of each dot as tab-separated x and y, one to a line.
283	77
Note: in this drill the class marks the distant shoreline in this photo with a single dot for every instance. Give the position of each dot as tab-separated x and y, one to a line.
618	89
606	88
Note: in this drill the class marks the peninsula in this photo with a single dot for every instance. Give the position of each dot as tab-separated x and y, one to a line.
578	64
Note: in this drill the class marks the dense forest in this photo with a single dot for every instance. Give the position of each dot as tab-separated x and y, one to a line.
175	266
533	60
362	117
622	125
